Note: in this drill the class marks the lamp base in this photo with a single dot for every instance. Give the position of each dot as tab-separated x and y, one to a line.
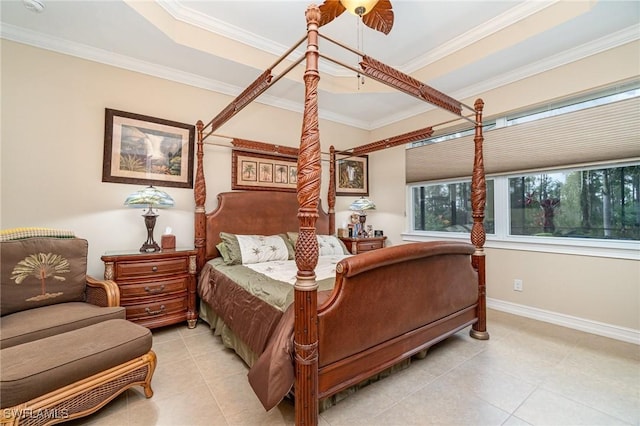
362	232
150	245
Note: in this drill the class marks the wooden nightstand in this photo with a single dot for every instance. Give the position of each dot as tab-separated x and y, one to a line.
157	289
360	245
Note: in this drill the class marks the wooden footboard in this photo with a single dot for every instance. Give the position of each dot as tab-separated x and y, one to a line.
391	303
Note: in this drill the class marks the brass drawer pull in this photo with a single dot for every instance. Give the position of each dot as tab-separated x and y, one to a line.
158	312
154	290
154	269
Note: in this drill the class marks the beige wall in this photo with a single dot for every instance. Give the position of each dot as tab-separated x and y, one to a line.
52	138
595	288
52	130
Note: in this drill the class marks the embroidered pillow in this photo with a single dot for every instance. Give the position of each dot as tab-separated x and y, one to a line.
232	254
36	272
260	248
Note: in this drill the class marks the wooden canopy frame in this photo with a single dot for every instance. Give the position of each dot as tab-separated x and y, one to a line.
308	192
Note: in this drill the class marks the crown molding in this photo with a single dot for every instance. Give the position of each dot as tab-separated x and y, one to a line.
492	26
515	14
82	51
611	41
66	47
190	16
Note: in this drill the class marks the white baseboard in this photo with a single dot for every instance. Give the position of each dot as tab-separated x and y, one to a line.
589	326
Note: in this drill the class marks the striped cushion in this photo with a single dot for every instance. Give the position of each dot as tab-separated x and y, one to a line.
22	233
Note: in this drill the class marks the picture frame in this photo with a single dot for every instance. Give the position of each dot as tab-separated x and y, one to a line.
144	150
255	171
352	175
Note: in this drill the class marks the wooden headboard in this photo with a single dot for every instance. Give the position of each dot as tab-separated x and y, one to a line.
256	213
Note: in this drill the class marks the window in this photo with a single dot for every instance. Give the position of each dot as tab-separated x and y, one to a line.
587	211
599	203
580	193
446	207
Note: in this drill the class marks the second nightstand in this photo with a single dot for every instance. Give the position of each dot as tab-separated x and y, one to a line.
157	288
360	245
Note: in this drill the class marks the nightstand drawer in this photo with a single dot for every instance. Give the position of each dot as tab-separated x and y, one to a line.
369	245
157	308
153	288
149	268
361	245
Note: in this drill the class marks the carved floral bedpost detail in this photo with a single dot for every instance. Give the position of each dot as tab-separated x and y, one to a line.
306	287
200	195
478	235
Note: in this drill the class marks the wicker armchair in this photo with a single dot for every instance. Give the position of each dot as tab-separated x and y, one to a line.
49	310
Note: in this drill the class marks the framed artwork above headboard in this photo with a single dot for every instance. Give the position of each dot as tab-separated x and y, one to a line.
255	172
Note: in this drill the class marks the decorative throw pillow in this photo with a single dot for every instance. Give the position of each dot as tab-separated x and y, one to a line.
36	272
232	254
328	245
224	253
260	248
290	247
293	237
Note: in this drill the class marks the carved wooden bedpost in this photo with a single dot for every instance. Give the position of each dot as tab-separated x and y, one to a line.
478	235
200	195
331	197
306	287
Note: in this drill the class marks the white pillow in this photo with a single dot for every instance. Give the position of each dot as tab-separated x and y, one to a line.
260	248
329	245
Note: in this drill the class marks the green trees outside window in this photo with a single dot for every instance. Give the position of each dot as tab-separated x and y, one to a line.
447	207
595	203
586	203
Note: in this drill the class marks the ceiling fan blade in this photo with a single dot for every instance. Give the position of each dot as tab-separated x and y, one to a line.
380	18
330	10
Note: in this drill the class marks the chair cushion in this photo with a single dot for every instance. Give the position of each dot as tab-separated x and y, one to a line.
33	369
33	324
41	271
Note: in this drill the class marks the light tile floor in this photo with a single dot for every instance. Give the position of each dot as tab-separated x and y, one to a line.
528	373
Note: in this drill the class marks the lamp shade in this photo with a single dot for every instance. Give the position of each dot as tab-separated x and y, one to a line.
359	7
149	197
362	204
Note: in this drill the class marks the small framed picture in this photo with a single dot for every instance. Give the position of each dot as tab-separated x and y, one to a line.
352	175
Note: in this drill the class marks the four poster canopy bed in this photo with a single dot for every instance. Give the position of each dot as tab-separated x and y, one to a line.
333	320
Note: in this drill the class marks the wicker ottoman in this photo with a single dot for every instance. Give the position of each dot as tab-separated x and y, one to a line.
74	374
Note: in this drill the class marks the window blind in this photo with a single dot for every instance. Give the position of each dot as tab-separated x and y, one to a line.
603	133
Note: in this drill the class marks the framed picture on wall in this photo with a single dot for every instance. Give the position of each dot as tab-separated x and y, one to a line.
253	171
144	150
352	175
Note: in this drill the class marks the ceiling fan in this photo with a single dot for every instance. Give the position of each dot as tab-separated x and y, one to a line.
376	14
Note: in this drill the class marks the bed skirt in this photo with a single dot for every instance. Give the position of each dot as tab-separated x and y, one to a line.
249	357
